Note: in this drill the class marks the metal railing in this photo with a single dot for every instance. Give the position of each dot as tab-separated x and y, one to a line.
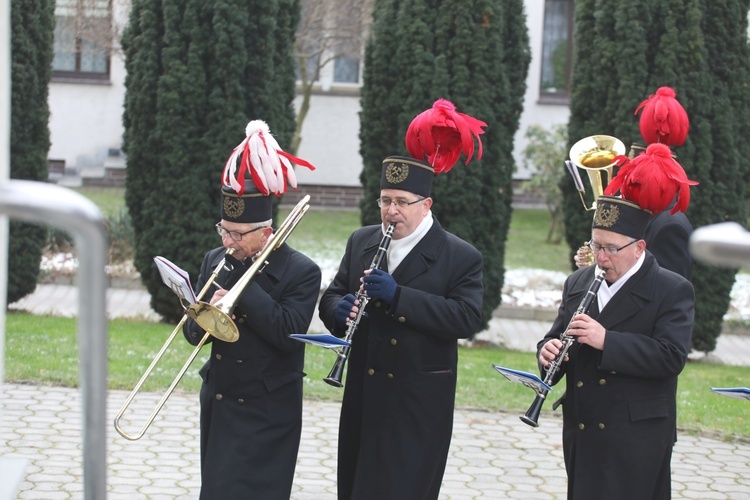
48	204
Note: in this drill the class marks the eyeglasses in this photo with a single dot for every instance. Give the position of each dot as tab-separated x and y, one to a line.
235	235
595	248
399	202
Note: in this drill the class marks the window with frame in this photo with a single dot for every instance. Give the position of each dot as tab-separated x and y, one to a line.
346	69
557	49
83	37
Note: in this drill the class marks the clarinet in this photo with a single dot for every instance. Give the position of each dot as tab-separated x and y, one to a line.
531	417
335	376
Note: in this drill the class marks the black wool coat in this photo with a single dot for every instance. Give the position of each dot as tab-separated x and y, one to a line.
397	413
251	397
619	409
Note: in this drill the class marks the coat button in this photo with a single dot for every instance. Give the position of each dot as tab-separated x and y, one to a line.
218	356
581	427
241	320
579	383
394	341
602	381
241	401
219	397
377	303
239	361
371	371
401	319
390	376
601	426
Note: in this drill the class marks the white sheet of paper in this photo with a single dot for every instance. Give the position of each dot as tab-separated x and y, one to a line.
176	279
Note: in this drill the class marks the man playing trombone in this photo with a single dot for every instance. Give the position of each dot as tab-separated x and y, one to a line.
619	408
251	396
397	412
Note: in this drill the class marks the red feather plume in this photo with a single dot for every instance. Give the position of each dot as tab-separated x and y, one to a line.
652	180
441	134
663	120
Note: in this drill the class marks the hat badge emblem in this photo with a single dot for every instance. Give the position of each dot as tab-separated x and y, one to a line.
396	173
234	207
607	215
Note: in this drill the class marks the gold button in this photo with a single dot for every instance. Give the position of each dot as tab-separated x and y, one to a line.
579	383
241	320
601	426
218	356
219	397
239	361
371	371
394	341
581	427
377	303
602	381
241	401
401	319
390	376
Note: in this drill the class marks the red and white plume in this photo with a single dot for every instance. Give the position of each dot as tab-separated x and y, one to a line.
260	155
441	134
663	120
652	180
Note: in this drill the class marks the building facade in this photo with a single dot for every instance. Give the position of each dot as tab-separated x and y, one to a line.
87	94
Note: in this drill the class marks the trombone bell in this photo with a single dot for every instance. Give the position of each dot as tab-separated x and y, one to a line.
596	154
214	321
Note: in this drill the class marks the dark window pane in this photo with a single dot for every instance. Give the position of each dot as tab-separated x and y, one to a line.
556	46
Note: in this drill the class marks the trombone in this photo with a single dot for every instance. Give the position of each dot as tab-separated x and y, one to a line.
215	319
147	373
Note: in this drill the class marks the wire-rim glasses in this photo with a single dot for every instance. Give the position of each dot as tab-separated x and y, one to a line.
235	235
596	248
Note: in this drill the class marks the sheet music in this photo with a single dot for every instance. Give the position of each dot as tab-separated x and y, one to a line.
576	175
176	279
733	392
528	379
321	340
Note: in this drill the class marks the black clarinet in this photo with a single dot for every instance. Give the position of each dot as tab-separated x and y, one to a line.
337	372
531	417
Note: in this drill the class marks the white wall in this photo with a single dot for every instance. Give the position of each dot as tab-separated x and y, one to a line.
330	141
535	113
86	119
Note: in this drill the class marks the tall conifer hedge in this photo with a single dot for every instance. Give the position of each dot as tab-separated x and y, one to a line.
474	53
699	48
32	36
197	72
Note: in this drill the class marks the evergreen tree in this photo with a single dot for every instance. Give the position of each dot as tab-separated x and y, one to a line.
474	53
197	72
691	46
32	37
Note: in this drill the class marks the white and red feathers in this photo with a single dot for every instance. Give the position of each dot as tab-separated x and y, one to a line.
441	134
652	180
663	119
259	154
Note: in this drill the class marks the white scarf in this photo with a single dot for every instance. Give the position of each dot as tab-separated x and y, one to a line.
399	249
607	291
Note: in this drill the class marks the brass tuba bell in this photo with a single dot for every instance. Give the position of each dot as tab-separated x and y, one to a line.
595	154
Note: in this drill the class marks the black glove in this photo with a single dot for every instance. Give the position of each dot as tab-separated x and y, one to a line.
380	285
343	310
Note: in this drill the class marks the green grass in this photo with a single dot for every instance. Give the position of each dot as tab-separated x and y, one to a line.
527	247
42	349
110	200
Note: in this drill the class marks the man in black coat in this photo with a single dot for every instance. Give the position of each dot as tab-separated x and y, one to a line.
397	413
251	397
619	409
